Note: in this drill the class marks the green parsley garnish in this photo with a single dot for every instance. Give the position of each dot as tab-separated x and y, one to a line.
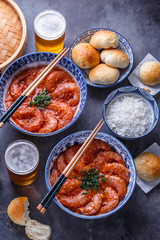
84	193
42	100
104	179
91	181
75	177
101	175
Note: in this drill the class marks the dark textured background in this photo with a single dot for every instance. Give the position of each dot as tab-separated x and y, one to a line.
138	21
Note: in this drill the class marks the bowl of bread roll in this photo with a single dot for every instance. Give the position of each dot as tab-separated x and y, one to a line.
104	56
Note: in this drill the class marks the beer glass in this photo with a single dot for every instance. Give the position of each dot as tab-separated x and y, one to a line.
22	161
49	28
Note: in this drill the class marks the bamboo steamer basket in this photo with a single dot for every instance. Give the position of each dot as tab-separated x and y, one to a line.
13	33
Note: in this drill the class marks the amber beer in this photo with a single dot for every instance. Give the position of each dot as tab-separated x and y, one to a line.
49	28
22	161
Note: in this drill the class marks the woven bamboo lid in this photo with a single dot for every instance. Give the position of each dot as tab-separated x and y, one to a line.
13	33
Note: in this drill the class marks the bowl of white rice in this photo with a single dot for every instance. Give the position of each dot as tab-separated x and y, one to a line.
130	112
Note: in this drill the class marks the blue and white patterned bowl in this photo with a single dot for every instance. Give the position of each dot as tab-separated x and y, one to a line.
33	60
80	137
123	45
131	90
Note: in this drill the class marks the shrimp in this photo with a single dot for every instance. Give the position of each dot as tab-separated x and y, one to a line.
30	79
118	169
18	85
70	152
8	100
61	165
67	92
50	123
118	184
112	200
74	109
82	164
54	78
41	85
92	207
54	176
70	185
29	118
108	156
40	69
76	201
62	112
97	146
87	161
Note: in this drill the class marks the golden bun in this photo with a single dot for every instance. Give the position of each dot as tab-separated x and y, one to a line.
18	210
103	74
115	58
85	56
37	231
104	39
148	166
149	73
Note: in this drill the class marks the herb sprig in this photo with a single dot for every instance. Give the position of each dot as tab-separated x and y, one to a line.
91	181
42	100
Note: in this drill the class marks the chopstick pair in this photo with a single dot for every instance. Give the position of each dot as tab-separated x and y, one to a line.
31	88
42	207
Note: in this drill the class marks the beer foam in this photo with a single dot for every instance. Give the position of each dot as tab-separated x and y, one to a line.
21	157
50	24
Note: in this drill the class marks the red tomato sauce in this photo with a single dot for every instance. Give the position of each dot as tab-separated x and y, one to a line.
61	88
98	182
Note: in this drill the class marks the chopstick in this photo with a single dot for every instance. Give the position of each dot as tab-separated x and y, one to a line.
45	203
31	88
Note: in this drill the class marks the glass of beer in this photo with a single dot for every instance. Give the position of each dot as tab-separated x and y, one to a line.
22	161
49	28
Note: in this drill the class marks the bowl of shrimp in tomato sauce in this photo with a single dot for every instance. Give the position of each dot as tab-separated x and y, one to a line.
54	105
102	181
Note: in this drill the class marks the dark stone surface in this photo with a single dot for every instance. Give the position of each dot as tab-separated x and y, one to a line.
138	21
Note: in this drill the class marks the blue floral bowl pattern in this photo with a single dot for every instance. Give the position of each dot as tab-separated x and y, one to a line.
33	60
131	90
80	137
123	45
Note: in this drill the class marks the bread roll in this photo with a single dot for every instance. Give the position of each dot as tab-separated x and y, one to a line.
104	39
148	166
103	74
37	231
115	58
85	56
149	73
18	210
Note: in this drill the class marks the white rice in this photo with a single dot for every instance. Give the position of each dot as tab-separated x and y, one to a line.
129	116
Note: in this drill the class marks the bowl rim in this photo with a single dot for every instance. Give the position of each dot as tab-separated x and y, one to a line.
134	88
70	123
96	216
130	64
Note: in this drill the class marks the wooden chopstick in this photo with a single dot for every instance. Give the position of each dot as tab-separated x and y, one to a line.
31	88
45	203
